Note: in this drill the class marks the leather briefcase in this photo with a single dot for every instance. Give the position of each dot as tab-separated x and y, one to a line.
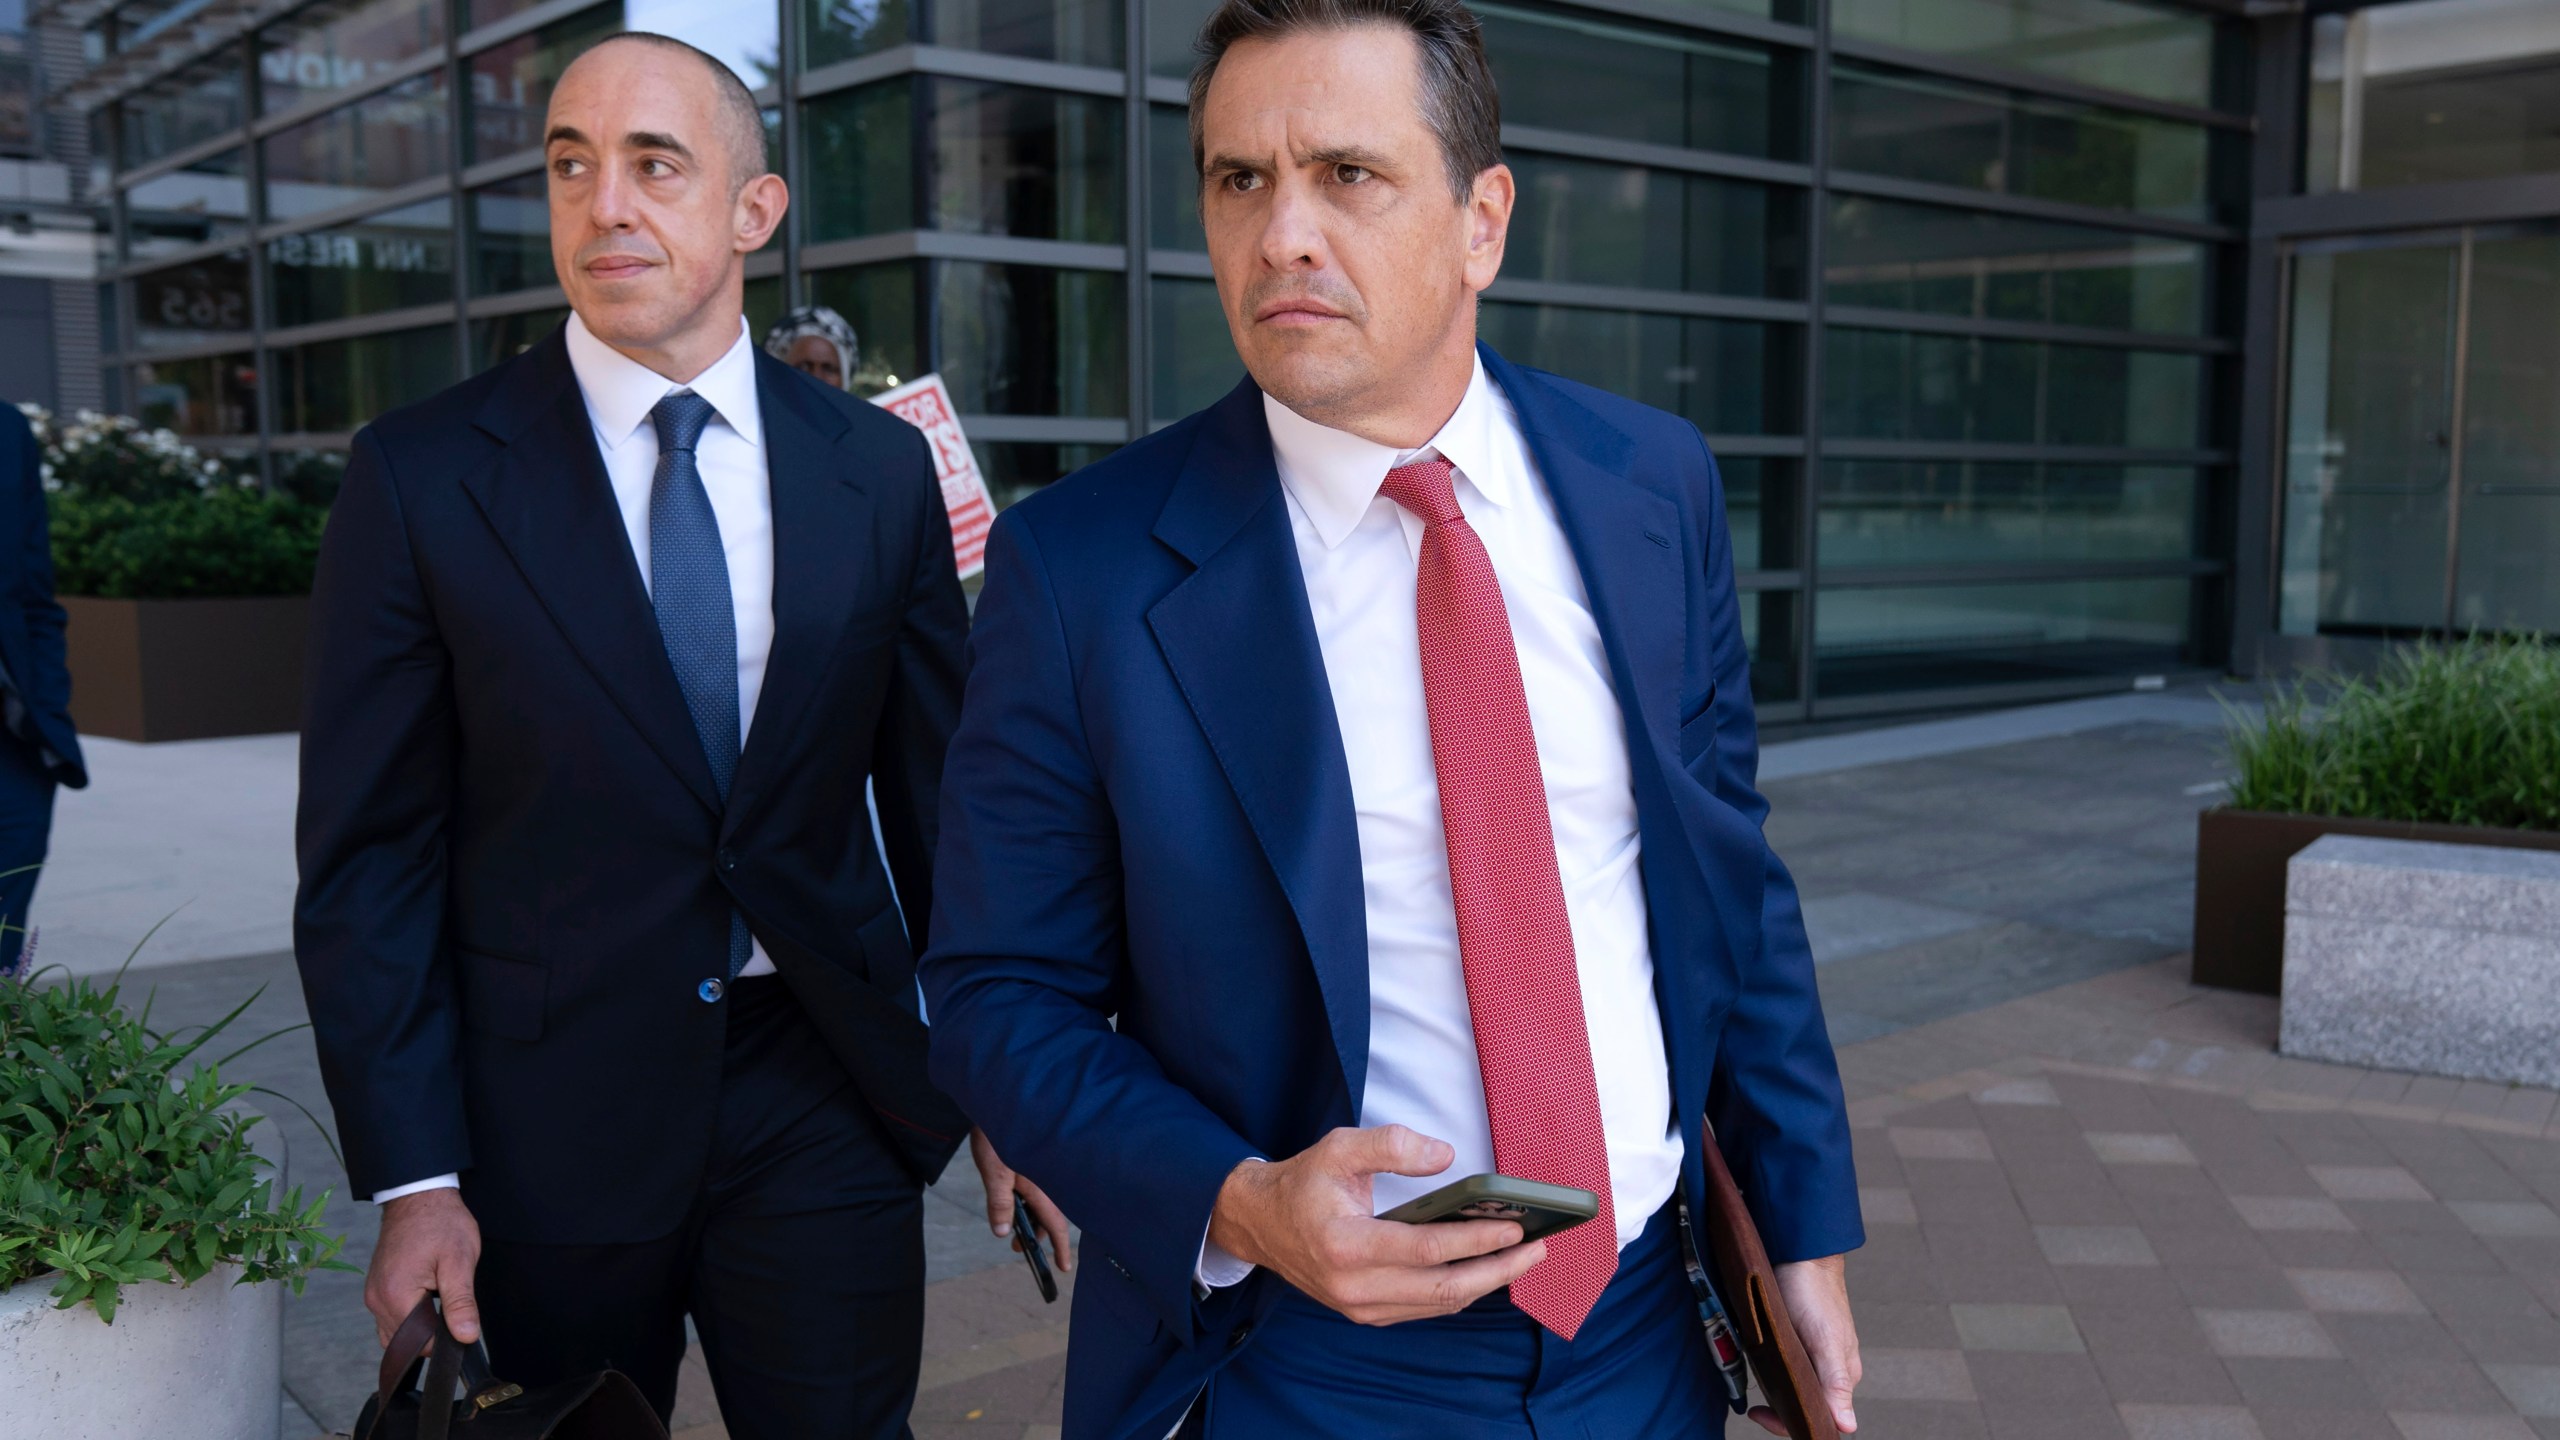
602	1406
1746	1284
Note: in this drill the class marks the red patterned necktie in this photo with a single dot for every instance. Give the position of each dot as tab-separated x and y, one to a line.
1513	934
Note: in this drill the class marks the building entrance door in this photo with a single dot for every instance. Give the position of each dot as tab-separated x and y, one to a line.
2422	445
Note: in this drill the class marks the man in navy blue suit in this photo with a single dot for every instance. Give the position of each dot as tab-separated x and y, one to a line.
1354	793
39	749
613	989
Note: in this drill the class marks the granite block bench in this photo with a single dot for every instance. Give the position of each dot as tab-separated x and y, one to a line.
2411	955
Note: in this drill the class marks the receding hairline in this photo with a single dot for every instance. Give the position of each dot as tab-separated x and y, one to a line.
736	111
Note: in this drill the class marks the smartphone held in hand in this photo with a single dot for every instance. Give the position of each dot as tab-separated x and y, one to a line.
1540	1208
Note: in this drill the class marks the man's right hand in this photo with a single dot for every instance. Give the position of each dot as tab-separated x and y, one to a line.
1308	1219
429	1242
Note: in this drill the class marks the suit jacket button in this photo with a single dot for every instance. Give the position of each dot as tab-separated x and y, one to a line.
728	859
710	990
1239	1335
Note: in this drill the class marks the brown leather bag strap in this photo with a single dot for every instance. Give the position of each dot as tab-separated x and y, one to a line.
423	1327
435	1392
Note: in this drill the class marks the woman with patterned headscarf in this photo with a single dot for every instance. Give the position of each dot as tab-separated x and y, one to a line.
816	341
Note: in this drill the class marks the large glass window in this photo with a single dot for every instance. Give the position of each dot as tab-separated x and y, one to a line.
204	201
1030	340
332	386
1947	512
382	262
1001	160
1727	377
2152	50
1877	641
340	44
380	143
202	300
1941	261
1073	32
2433	90
1599	224
879	301
1945	132
1662	89
189	108
511	236
1194	354
842	29
1894	385
511	81
1173	184
1015	468
211	395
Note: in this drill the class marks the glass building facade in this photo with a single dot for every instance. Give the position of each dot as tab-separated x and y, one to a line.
1957	288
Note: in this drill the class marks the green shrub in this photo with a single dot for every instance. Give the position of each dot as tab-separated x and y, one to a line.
2461	734
230	541
122	1163
138	514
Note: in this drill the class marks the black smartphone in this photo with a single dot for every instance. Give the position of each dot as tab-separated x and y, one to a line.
1028	1237
1541	1208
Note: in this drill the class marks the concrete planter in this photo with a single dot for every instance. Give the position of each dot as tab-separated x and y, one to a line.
203	1360
186	669
2240	882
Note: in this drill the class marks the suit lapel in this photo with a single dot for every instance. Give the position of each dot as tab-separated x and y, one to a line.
1241	643
819	506
547	497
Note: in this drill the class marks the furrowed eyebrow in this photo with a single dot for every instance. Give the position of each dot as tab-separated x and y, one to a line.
567	133
1361	156
654	140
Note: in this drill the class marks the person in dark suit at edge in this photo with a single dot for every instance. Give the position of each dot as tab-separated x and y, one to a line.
613	991
39	747
1354	793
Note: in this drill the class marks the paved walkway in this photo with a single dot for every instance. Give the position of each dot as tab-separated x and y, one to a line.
2100	1206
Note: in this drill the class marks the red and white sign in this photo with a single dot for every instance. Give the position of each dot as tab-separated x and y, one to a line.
926	405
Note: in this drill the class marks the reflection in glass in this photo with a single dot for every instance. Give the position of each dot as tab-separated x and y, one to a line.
340	44
1760	509
331	386
1946	132
2151	50
1173	186
2368	440
1194	354
203	299
382	262
1870	642
511	81
389	139
1941	261
879	301
205	200
842	29
1001	160
2510	572
1593	223
209	395
1769	627
746	38
1071	32
1173	27
1690	92
1030	340
188	108
504	337
1015	468
1894	385
1950	512
2433	90
1727	377
511	237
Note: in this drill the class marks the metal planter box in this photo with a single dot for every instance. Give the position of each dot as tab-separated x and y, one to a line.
187	669
2240	869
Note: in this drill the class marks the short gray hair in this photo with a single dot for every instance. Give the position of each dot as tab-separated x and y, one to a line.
1459	100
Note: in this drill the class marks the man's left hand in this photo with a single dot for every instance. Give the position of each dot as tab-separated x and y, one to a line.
1817	1296
1003	1185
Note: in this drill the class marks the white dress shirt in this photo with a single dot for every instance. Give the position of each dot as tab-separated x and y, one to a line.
620	392
1358	553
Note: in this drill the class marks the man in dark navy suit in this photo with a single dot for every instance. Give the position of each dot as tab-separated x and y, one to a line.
39	749
614	994
1354	793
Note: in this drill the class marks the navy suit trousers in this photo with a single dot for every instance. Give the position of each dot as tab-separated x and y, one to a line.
26	824
1637	1370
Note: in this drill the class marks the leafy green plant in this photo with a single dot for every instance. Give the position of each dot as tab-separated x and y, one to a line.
138	514
123	1161
2460	734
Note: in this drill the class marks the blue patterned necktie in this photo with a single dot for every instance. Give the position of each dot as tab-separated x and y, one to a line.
689	588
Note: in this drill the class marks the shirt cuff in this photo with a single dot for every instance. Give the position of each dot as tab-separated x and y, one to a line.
1216	1269
440	1182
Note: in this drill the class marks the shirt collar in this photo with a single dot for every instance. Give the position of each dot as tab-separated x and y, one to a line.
1335	475
620	391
